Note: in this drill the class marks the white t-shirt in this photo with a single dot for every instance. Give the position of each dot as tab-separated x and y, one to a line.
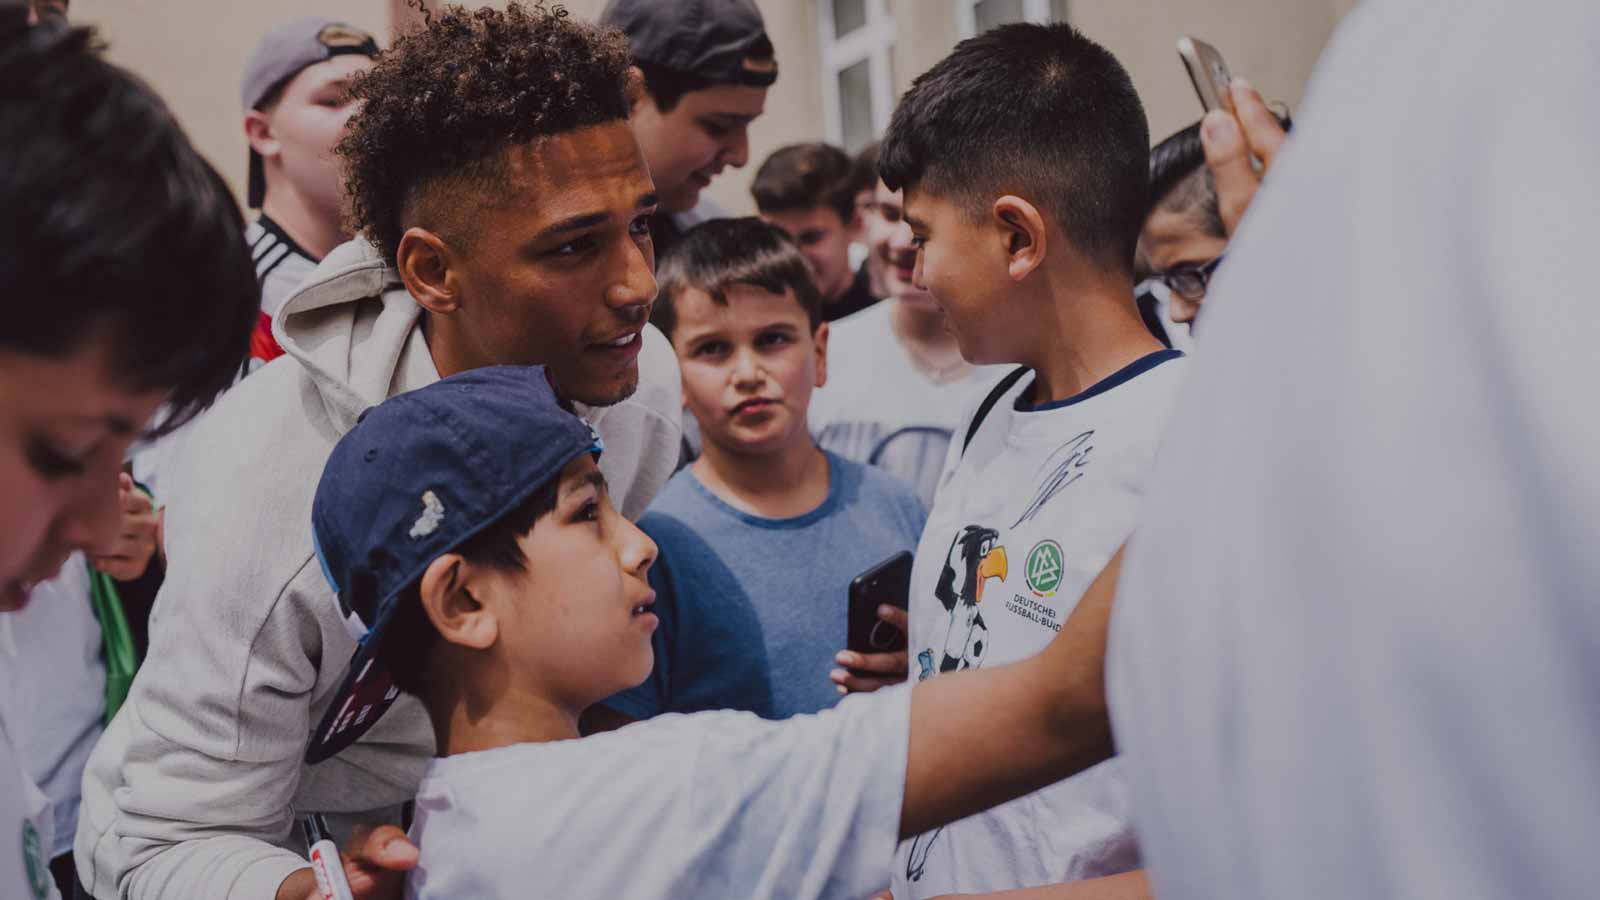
58	684
878	400
1025	520
26	832
713	804
1356	649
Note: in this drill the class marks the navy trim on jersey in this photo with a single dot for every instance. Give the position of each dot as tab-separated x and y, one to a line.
1123	375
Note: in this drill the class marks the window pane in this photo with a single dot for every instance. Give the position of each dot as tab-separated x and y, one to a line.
848	15
989	13
855	105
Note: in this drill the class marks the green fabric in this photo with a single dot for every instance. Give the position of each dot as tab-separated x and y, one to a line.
122	661
122	657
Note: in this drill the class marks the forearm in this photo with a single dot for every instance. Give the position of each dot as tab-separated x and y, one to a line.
980	738
1127	886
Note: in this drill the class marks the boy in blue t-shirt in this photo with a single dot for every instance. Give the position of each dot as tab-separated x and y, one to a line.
761	536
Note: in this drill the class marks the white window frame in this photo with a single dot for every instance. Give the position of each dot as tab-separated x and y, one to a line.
1037	11
873	42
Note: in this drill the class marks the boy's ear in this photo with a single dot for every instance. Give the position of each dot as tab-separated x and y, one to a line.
424	261
821	340
258	133
446	593
1021	227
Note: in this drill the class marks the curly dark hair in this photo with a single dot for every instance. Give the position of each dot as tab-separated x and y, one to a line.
447	100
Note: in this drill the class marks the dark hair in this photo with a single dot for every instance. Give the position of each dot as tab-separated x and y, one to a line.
666	86
1181	181
1037	110
411	635
865	176
444	104
719	253
806	176
114	225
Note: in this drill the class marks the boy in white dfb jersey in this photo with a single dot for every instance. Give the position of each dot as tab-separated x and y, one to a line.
467	526
1025	207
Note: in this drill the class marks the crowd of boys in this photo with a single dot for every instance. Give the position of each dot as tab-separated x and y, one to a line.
500	497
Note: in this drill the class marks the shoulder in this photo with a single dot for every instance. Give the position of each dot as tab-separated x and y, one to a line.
879	493
873	480
680	497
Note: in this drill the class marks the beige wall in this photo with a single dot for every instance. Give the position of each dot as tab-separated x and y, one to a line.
1274	42
193	52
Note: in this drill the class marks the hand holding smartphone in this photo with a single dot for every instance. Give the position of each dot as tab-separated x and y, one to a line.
887	583
1208	72
1240	147
876	623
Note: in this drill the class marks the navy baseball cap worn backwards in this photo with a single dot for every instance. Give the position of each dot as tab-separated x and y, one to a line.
417	476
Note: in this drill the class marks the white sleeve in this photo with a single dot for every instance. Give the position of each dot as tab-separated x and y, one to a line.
806	807
177	805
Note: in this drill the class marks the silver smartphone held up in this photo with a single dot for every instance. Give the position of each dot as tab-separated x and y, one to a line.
1208	71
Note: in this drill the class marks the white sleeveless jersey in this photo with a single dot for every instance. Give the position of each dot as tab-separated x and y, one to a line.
1025	519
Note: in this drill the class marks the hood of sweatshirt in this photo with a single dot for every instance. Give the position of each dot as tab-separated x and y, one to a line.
352	326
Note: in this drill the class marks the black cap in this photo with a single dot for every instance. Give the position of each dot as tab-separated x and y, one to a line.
420	474
712	39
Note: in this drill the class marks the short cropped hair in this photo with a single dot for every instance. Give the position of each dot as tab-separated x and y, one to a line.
1036	110
720	253
114	225
806	176
442	107
411	635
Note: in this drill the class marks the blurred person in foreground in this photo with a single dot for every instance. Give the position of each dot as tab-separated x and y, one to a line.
104	199
1354	650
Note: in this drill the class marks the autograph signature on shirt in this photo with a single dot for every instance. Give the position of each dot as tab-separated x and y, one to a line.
1070	469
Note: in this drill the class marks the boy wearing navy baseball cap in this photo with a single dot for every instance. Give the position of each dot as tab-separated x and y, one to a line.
466	527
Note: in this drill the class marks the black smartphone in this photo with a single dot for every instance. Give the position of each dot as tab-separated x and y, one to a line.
887	582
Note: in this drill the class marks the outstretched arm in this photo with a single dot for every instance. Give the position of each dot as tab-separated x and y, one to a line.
982	737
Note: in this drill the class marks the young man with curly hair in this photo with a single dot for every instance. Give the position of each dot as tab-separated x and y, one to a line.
502	205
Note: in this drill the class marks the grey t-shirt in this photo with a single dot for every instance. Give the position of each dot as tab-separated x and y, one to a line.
753	609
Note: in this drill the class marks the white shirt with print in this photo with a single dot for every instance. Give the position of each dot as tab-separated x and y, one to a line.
713	804
1026	518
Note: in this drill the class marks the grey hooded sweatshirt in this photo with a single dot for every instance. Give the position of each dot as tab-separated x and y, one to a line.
194	789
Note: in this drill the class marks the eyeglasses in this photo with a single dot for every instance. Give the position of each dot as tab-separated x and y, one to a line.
1189	282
